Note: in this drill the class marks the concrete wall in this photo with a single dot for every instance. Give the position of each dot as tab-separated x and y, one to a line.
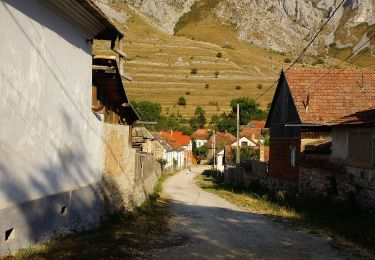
128	177
339	144
354	146
50	141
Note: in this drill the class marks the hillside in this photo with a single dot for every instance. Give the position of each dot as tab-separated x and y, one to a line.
205	61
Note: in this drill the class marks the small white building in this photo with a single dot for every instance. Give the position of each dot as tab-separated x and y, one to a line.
201	137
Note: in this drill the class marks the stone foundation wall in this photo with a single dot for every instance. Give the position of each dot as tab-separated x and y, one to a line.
128	177
256	172
352	183
347	183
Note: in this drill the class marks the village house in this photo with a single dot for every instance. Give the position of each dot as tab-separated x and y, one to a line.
345	167
183	141
304	104
201	137
178	151
164	151
51	141
143	140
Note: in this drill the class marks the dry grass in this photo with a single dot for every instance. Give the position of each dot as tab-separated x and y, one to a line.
246	201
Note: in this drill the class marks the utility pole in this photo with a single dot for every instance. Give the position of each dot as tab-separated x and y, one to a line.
214	139
238	136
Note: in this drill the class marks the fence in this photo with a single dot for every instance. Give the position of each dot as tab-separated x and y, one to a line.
251	171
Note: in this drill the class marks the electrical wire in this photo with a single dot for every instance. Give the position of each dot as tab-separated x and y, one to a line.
304	50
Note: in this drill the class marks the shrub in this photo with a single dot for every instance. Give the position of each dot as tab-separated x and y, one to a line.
238	87
319	60
187	93
259	86
207	86
287	60
194	71
217	74
219	55
181	101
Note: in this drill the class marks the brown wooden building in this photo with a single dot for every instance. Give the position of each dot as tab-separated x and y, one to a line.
109	98
305	101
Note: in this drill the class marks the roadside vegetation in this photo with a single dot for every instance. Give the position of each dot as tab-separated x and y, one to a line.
344	222
118	237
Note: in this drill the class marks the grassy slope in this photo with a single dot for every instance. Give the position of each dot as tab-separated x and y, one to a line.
152	62
158	76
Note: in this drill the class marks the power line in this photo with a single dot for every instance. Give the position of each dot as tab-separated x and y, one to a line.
304	50
344	60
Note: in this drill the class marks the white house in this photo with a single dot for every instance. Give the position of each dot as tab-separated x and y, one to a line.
201	137
244	142
50	140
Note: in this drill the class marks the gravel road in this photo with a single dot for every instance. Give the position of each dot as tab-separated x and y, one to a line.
205	226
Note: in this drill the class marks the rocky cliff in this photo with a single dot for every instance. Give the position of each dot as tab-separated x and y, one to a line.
281	25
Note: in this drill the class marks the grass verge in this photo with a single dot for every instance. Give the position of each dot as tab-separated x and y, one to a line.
346	224
119	237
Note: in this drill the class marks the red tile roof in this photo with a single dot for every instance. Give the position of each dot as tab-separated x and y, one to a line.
331	95
366	117
172	142
252	134
201	134
179	137
222	140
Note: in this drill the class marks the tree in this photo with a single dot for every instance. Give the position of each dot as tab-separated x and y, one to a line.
181	101
198	120
147	110
249	109
201	152
246	154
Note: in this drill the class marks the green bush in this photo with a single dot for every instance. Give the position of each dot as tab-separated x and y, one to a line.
187	93
238	87
181	101
219	55
287	60
217	74
207	86
194	71
259	86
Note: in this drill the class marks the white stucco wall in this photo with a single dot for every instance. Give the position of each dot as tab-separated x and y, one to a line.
249	143
200	143
219	161
49	138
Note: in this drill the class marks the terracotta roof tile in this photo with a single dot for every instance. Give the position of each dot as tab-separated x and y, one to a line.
201	134
222	140
252	134
333	95
365	117
179	137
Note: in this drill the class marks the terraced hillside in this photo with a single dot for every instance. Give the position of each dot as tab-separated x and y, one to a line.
166	67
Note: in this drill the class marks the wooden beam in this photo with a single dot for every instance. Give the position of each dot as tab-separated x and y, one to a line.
106	69
126	76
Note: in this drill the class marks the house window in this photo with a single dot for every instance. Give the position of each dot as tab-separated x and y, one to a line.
243	144
293	157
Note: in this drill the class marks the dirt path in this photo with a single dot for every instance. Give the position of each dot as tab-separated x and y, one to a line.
205	226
